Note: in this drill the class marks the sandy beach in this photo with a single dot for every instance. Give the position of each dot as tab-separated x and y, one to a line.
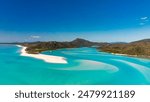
124	54
46	58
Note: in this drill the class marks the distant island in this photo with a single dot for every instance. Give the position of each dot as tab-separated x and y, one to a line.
38	47
139	48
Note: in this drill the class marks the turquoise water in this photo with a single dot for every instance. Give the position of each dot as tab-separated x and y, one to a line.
86	66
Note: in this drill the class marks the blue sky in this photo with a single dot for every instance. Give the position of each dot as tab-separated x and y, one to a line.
61	20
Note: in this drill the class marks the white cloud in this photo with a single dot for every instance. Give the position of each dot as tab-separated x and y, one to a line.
144	18
35	37
142	23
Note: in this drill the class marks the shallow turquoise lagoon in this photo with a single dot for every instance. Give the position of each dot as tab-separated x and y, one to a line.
86	66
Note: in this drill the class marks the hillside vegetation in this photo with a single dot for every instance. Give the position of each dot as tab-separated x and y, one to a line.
37	47
139	48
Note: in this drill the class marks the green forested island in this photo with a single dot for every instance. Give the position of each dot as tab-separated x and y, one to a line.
37	47
138	48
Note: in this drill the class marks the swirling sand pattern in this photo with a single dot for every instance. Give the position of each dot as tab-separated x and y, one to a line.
86	66
143	69
93	65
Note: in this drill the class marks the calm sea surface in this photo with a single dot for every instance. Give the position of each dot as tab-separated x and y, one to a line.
86	66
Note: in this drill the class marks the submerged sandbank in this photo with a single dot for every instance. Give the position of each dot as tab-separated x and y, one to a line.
46	58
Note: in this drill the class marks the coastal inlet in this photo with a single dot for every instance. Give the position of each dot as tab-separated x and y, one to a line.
85	66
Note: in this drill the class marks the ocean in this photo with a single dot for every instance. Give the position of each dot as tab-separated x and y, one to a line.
86	66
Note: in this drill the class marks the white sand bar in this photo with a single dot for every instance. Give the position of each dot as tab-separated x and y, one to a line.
46	58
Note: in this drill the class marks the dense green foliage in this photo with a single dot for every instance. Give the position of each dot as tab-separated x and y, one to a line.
38	47
139	48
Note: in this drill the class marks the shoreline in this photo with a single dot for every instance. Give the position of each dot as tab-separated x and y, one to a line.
137	56
46	58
